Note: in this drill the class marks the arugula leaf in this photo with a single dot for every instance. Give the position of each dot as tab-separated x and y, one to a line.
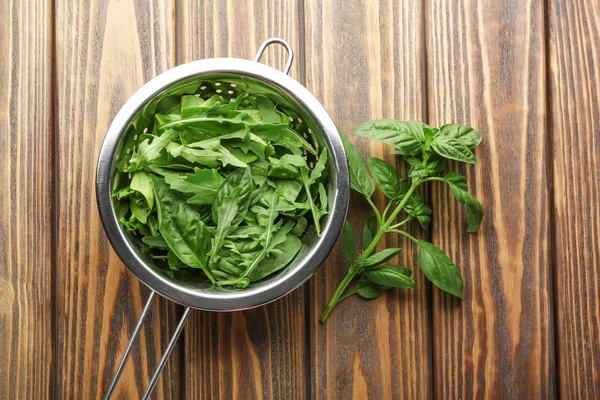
360	180
147	151
439	269
348	240
240	178
141	183
458	185
203	157
155	241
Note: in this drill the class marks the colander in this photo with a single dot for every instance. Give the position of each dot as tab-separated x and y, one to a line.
227	76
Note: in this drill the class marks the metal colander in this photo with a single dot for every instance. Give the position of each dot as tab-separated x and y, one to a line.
228	77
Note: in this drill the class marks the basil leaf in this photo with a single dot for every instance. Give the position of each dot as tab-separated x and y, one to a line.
181	226
369	232
368	289
386	178
407	137
360	180
417	208
439	269
348	240
451	148
458	185
380	257
463	133
390	277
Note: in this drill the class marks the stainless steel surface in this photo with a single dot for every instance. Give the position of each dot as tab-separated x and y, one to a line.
288	64
136	332
241	75
167	354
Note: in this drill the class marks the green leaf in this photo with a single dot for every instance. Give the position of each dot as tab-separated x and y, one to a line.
463	133
139	208
147	151
203	157
141	183
400	269
386	178
348	240
407	137
155	241
439	269
380	257
286	251
451	148
267	109
417	208
458	185
360	180
319	168
368	289
240	178
174	262
190	105
391	277
226	213
369	231
300	227
181	226
203	183
282	169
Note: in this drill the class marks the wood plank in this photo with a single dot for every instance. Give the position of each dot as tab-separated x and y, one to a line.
365	61
259	353
486	68
105	52
26	139
574	78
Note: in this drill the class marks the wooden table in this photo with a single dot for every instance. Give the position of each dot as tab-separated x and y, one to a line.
524	73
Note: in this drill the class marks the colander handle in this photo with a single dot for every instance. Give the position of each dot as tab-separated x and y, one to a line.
163	360
261	49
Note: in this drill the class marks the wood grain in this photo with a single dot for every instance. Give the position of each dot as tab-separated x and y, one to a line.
486	68
365	61
259	353
574	86
26	328
105	51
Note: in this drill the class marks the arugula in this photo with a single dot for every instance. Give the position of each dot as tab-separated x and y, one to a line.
425	150
224	189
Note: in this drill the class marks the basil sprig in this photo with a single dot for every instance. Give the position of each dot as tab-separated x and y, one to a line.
425	150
